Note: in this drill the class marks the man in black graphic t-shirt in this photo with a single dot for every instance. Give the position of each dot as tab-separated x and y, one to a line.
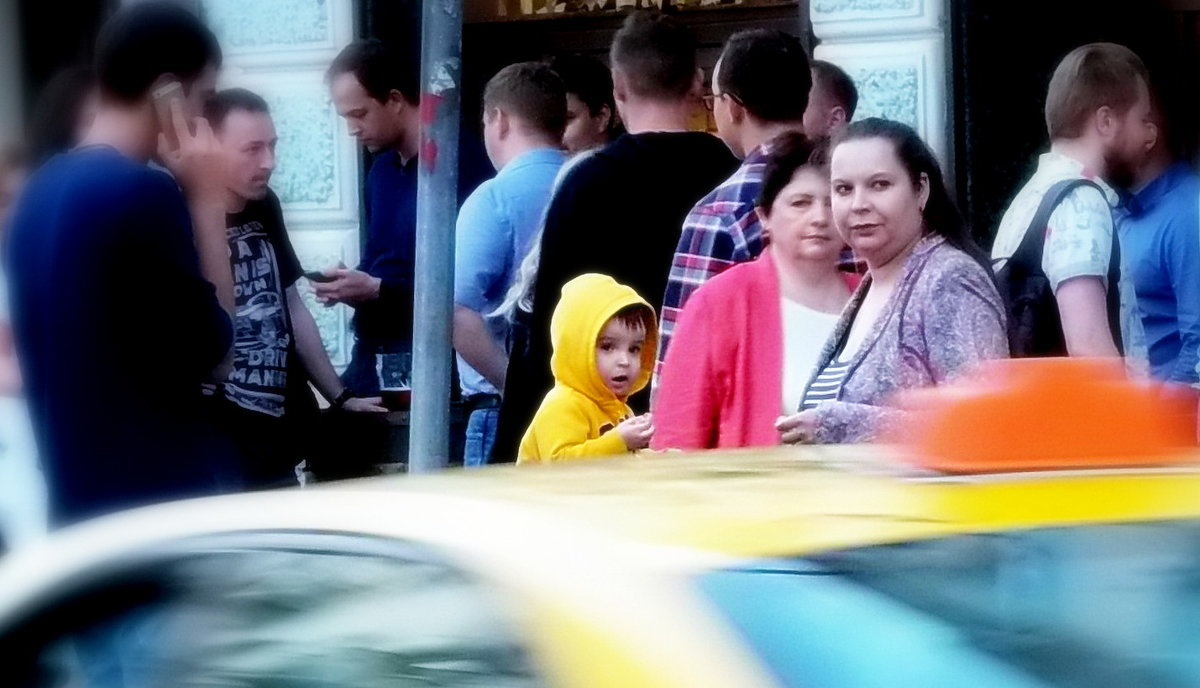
263	267
265	401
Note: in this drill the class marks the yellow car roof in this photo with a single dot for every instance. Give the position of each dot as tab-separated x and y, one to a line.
794	501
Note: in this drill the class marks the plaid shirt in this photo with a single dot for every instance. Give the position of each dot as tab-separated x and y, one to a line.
723	229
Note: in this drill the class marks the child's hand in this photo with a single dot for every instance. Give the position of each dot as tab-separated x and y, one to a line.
637	431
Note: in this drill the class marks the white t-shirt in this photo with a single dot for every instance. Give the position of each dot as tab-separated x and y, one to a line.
804	334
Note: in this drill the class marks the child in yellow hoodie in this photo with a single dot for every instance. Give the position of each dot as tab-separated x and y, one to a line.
605	337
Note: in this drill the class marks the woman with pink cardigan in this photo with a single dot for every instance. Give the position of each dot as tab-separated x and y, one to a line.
748	340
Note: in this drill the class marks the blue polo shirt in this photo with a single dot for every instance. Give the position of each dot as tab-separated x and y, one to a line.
1160	242
496	226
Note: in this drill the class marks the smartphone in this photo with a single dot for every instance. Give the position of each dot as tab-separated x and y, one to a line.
318	276
162	97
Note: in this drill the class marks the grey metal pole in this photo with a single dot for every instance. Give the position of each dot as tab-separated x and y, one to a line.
437	207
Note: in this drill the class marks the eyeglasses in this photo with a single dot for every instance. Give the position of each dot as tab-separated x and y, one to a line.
710	99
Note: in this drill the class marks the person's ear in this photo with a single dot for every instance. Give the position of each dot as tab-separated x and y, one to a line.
396	102
1105	122
697	89
764	221
504	123
923	192
620	87
604	120
837	118
737	111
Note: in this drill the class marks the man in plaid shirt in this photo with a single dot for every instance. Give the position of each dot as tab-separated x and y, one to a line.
760	90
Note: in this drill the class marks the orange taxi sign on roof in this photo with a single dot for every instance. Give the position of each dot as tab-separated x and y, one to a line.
1049	413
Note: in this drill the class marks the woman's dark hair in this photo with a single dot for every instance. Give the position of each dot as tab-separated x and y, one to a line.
789	153
591	81
941	214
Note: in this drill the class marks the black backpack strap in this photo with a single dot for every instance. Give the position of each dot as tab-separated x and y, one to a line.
1029	251
1114	291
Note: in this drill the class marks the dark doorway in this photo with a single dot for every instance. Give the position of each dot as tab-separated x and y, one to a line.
1004	54
56	36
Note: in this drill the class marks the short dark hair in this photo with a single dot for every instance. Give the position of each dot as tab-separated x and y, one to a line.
379	68
767	71
637	317
588	78
656	54
837	83
1087	79
789	153
144	41
533	92
221	103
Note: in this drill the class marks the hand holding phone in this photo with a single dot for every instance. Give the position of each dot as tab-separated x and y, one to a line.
195	158
319	277
164	98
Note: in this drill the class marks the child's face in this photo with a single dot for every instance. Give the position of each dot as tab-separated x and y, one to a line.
619	356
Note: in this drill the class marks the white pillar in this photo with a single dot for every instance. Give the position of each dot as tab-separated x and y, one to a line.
11	92
281	49
896	52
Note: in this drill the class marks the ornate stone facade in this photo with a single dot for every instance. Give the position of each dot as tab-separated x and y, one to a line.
896	52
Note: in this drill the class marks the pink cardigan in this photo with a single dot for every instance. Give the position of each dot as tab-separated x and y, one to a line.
722	381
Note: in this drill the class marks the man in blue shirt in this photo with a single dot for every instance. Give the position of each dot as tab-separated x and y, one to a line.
1159	228
378	95
121	288
525	112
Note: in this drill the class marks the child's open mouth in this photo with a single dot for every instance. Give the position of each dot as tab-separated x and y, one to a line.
621	378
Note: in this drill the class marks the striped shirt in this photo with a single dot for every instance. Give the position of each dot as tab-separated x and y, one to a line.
827	386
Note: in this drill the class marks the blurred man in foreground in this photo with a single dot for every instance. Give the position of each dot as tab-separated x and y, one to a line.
121	289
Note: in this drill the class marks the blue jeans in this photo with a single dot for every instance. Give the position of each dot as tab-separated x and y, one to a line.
362	375
481	435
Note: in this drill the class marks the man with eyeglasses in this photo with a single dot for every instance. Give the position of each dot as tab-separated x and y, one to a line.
760	90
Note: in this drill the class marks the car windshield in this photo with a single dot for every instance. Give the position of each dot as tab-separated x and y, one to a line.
262	618
1097	606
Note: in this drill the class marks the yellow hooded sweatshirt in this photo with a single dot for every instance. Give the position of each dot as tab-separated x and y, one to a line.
577	418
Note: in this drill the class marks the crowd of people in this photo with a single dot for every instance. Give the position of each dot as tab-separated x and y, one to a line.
622	282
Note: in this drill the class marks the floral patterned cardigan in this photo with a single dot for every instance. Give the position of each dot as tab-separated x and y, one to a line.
944	315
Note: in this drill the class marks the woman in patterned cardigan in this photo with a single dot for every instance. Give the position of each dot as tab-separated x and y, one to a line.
928	308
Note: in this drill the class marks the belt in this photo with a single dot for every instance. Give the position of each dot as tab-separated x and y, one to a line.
482	401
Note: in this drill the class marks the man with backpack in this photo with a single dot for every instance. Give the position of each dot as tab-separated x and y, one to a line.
1056	252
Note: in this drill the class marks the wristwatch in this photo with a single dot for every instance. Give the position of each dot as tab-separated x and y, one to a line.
346	395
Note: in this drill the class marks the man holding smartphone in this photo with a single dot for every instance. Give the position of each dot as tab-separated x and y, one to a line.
265	403
122	296
377	92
